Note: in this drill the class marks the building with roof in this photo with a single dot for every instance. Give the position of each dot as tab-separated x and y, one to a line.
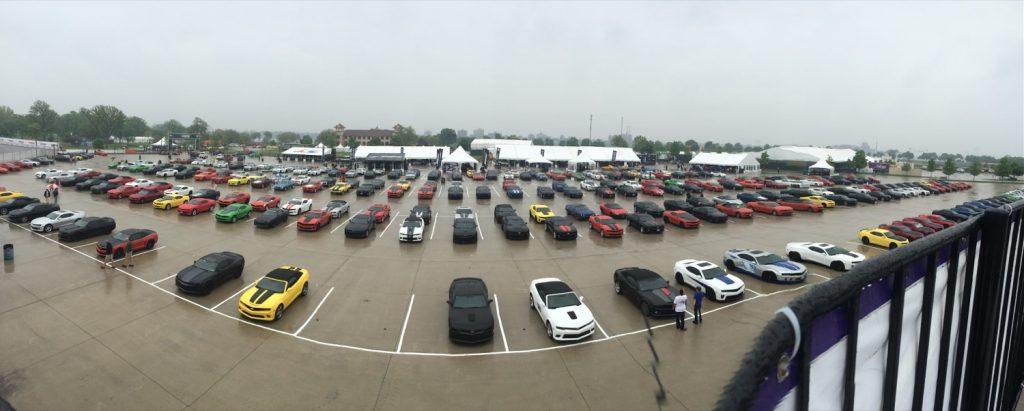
731	162
410	152
561	155
365	136
492	143
802	157
318	153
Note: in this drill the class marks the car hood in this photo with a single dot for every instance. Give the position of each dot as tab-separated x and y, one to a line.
660	296
42	220
850	256
470	319
573	316
261	297
724	282
788	267
194	275
412	230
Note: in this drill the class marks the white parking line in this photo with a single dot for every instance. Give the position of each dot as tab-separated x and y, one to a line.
531	233
393	218
144	252
821	276
495	190
83	245
163	279
401	337
478	232
433	226
601	329
236	293
351	216
293	222
755	293
497	310
314	311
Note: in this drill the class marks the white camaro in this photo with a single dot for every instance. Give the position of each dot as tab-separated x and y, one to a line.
632	183
183	190
589	185
142	182
167	172
411	231
564	314
297	206
717	284
48	173
56	219
81	170
300	180
829	255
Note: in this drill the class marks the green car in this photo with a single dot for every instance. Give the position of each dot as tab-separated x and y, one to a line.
578	176
674	182
138	167
233	212
113	165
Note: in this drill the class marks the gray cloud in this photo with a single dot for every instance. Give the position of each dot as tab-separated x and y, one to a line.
945	76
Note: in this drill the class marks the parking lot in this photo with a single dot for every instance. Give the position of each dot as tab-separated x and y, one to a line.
372	333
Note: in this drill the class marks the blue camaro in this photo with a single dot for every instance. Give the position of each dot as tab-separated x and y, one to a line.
579	211
284	184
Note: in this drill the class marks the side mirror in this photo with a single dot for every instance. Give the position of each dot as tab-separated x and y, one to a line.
490	301
449	302
582	298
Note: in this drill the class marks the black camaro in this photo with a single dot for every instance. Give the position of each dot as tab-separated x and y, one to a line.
469	312
210	271
626	190
515	228
87	184
674	190
709	214
206	193
861	197
502	210
424	212
102	188
677	205
648	207
545	192
646	289
33	210
561	228
365	190
271	218
455	193
645	223
770	195
483	193
360	226
87	227
700	202
605	192
841	199
464	231
573	192
15	204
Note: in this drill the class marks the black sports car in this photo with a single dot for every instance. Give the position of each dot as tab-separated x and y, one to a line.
561	228
648	207
770	195
71	181
483	193
394	174
187	173
861	197
677	205
502	210
87	184
526	176
646	289
645	223
880	195
951	215
692	188
424	212
455	193
469	312
102	188
545	192
271	218
674	190
206	193
626	190
360	226
33	210
209	271
797	192
515	228
840	199
365	190
378	184
514	192
573	192
87	227
464	231
604	192
434	175
709	214
731	185
15	204
700	202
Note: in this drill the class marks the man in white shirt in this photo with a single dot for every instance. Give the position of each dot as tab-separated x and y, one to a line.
680	308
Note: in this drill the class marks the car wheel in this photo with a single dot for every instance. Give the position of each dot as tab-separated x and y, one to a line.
645	309
774	212
149	244
194	212
795	256
531	300
4	212
730	265
838	266
602	233
865	240
48	228
234	218
551	335
119	253
617	287
279	313
305	289
892	246
769	276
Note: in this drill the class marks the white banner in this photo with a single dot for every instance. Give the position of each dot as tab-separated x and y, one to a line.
8	141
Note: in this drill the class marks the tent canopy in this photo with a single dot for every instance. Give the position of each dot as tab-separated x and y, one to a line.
307	151
411	152
537	159
459	156
822	165
583	158
163	142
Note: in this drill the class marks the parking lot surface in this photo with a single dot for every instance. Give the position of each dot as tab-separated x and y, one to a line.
372	332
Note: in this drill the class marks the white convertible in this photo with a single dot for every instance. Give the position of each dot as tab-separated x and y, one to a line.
564	314
167	172
297	206
717	284
56	219
48	173
300	180
411	231
829	255
589	185
183	190
142	182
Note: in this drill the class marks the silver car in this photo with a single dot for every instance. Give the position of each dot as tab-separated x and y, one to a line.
56	219
764	265
337	207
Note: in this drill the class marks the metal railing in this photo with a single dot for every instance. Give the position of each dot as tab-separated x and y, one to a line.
946	310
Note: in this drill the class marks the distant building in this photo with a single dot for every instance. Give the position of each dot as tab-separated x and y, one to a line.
462	133
364	136
478	133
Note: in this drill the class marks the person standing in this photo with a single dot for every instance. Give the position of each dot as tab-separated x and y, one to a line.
698	300
680	308
108	256
129	256
56	192
46	195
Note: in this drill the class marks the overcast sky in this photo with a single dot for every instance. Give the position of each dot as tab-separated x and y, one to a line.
946	76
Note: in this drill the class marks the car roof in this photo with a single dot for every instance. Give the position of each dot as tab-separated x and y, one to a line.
640	273
552	287
467	286
283	274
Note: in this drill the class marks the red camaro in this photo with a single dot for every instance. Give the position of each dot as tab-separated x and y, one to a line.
750	184
313	220
313	186
902	231
801	205
938	219
775	184
653	191
141	239
425	193
681	218
203	176
606	226
380	212
507	183
710	186
613	210
735	210
480	177
123	191
915	226
925	222
235	197
196	206
265	202
395	191
121	180
219	179
770	207
159	186
656	183
145	196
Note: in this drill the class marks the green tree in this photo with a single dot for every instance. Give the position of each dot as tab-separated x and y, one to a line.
198	126
728	147
711	147
764	158
598	143
974	169
686	156
659	147
447	137
43	117
619	141
328	138
1003	168
906	167
929	156
949	167
642	145
906	155
352	143
102	122
404	136
288	137
376	141
860	160
1017	169
268	136
306	140
572	142
10	122
675	147
691	145
133	126
931	166
463	142
585	142
70	124
892	153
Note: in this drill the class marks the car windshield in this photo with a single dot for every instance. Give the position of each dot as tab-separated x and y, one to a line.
233	207
563	300
652	284
893	236
167	198
767	204
53	215
412	223
196	202
294	202
122	236
266	198
712	273
836	250
543	210
81	223
234	195
271	284
206	264
469	301
768	259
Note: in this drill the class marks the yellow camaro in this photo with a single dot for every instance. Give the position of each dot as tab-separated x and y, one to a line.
341	188
272	294
405	184
469	173
170	201
819	200
7	195
882	238
238	180
540	212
